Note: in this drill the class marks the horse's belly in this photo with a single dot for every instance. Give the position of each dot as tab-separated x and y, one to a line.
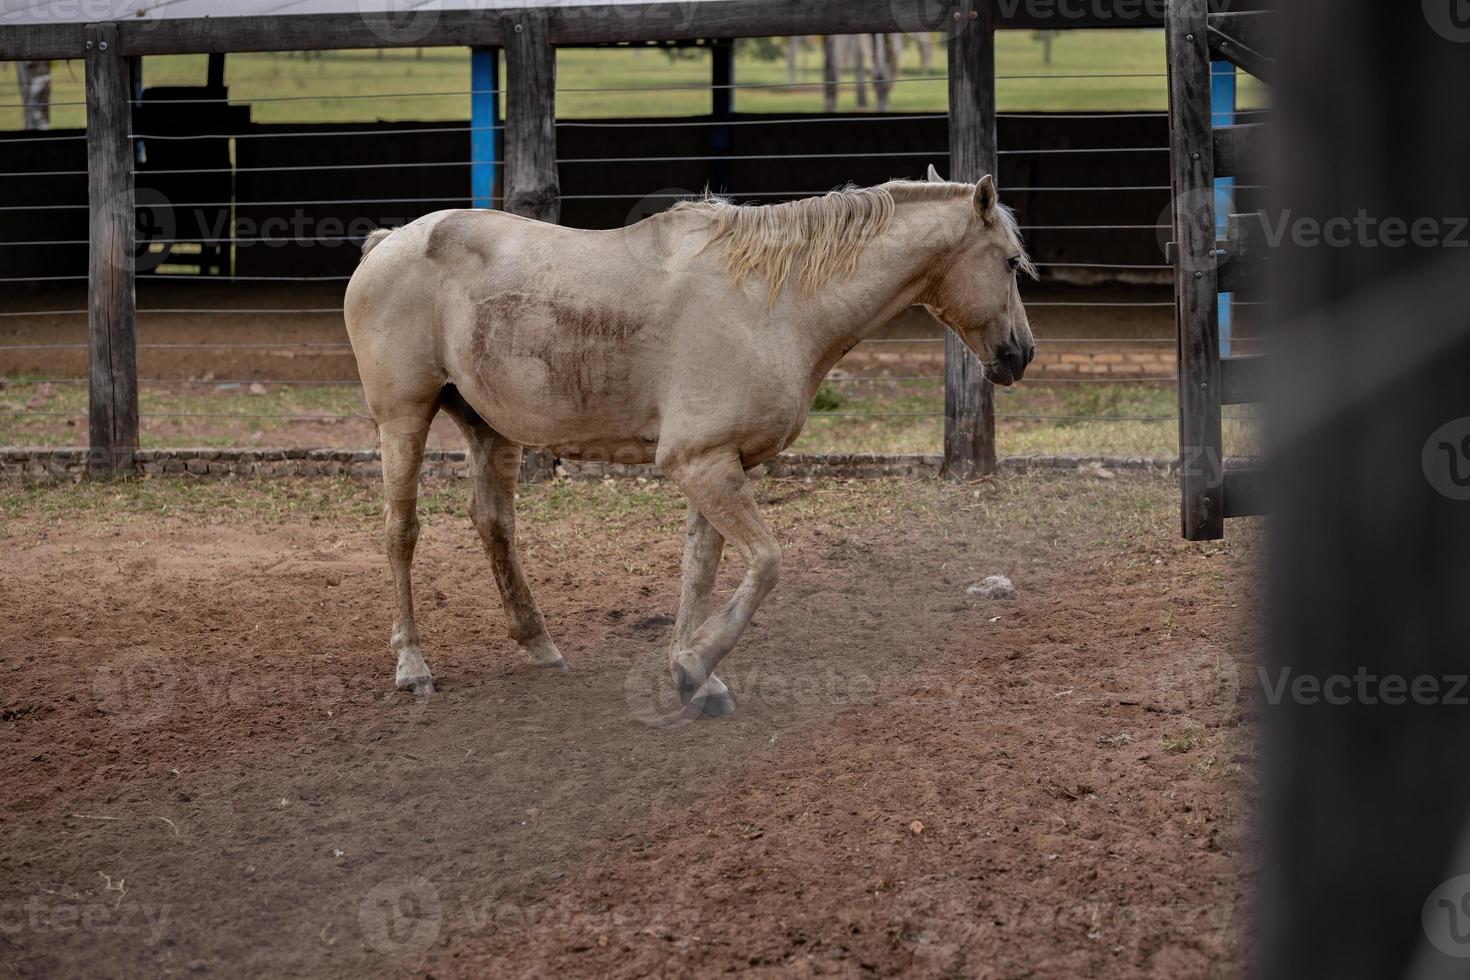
578	408
545	374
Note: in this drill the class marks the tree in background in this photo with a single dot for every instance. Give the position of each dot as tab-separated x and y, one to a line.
874	56
1047	39
884	52
925	42
831	71
35	93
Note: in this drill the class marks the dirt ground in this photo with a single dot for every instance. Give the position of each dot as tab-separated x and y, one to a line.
205	771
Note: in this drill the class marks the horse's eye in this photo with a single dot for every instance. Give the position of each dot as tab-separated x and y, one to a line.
1014	262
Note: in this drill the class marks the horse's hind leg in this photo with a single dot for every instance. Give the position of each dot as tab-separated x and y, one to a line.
494	466
703	547
402	436
717	486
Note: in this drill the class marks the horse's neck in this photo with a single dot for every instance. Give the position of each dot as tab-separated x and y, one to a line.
891	276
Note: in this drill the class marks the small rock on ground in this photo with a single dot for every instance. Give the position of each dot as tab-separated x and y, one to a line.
993	587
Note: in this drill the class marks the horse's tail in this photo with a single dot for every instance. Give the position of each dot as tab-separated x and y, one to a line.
375	239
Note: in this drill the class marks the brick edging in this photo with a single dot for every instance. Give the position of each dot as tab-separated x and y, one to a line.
66	464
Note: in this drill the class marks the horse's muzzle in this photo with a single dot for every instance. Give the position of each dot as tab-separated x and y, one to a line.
1010	363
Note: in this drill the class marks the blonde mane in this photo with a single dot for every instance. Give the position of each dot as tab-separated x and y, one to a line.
819	238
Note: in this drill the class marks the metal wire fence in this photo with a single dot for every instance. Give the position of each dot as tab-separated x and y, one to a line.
887	377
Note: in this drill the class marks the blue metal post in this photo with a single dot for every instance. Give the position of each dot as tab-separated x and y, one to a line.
1222	107
484	123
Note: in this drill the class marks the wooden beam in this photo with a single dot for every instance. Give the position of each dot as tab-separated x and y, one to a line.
1246	492
1242	56
532	187
532	184
1242	380
1192	177
42	42
567	25
969	399
1240	151
1242	265
1252	29
1248	238
111	300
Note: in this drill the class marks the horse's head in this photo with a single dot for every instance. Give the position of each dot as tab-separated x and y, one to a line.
975	292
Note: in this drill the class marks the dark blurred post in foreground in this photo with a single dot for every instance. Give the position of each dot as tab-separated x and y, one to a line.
1366	816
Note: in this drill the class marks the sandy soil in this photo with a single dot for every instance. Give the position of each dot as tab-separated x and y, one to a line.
204	770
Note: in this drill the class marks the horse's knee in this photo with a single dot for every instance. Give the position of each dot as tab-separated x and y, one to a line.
486	518
765	563
402	526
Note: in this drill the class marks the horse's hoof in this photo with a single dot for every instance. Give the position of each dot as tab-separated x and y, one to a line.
717	705
545	654
711	699
413	673
685	683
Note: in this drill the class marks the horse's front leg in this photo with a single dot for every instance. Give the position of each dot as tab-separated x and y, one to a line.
703	547
717	487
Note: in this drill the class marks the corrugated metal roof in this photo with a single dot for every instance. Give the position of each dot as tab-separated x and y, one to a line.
16	12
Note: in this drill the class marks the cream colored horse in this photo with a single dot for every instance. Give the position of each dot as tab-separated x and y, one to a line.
695	340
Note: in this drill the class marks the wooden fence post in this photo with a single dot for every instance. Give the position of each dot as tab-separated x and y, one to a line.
1196	283
111	299
532	186
969	399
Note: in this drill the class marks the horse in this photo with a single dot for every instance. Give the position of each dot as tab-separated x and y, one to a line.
695	339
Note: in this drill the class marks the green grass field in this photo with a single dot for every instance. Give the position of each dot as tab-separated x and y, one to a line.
587	80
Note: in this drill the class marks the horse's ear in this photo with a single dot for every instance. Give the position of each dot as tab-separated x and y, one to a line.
934	177
986	198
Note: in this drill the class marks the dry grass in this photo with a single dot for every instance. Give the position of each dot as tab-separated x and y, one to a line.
1133	506
1131	419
